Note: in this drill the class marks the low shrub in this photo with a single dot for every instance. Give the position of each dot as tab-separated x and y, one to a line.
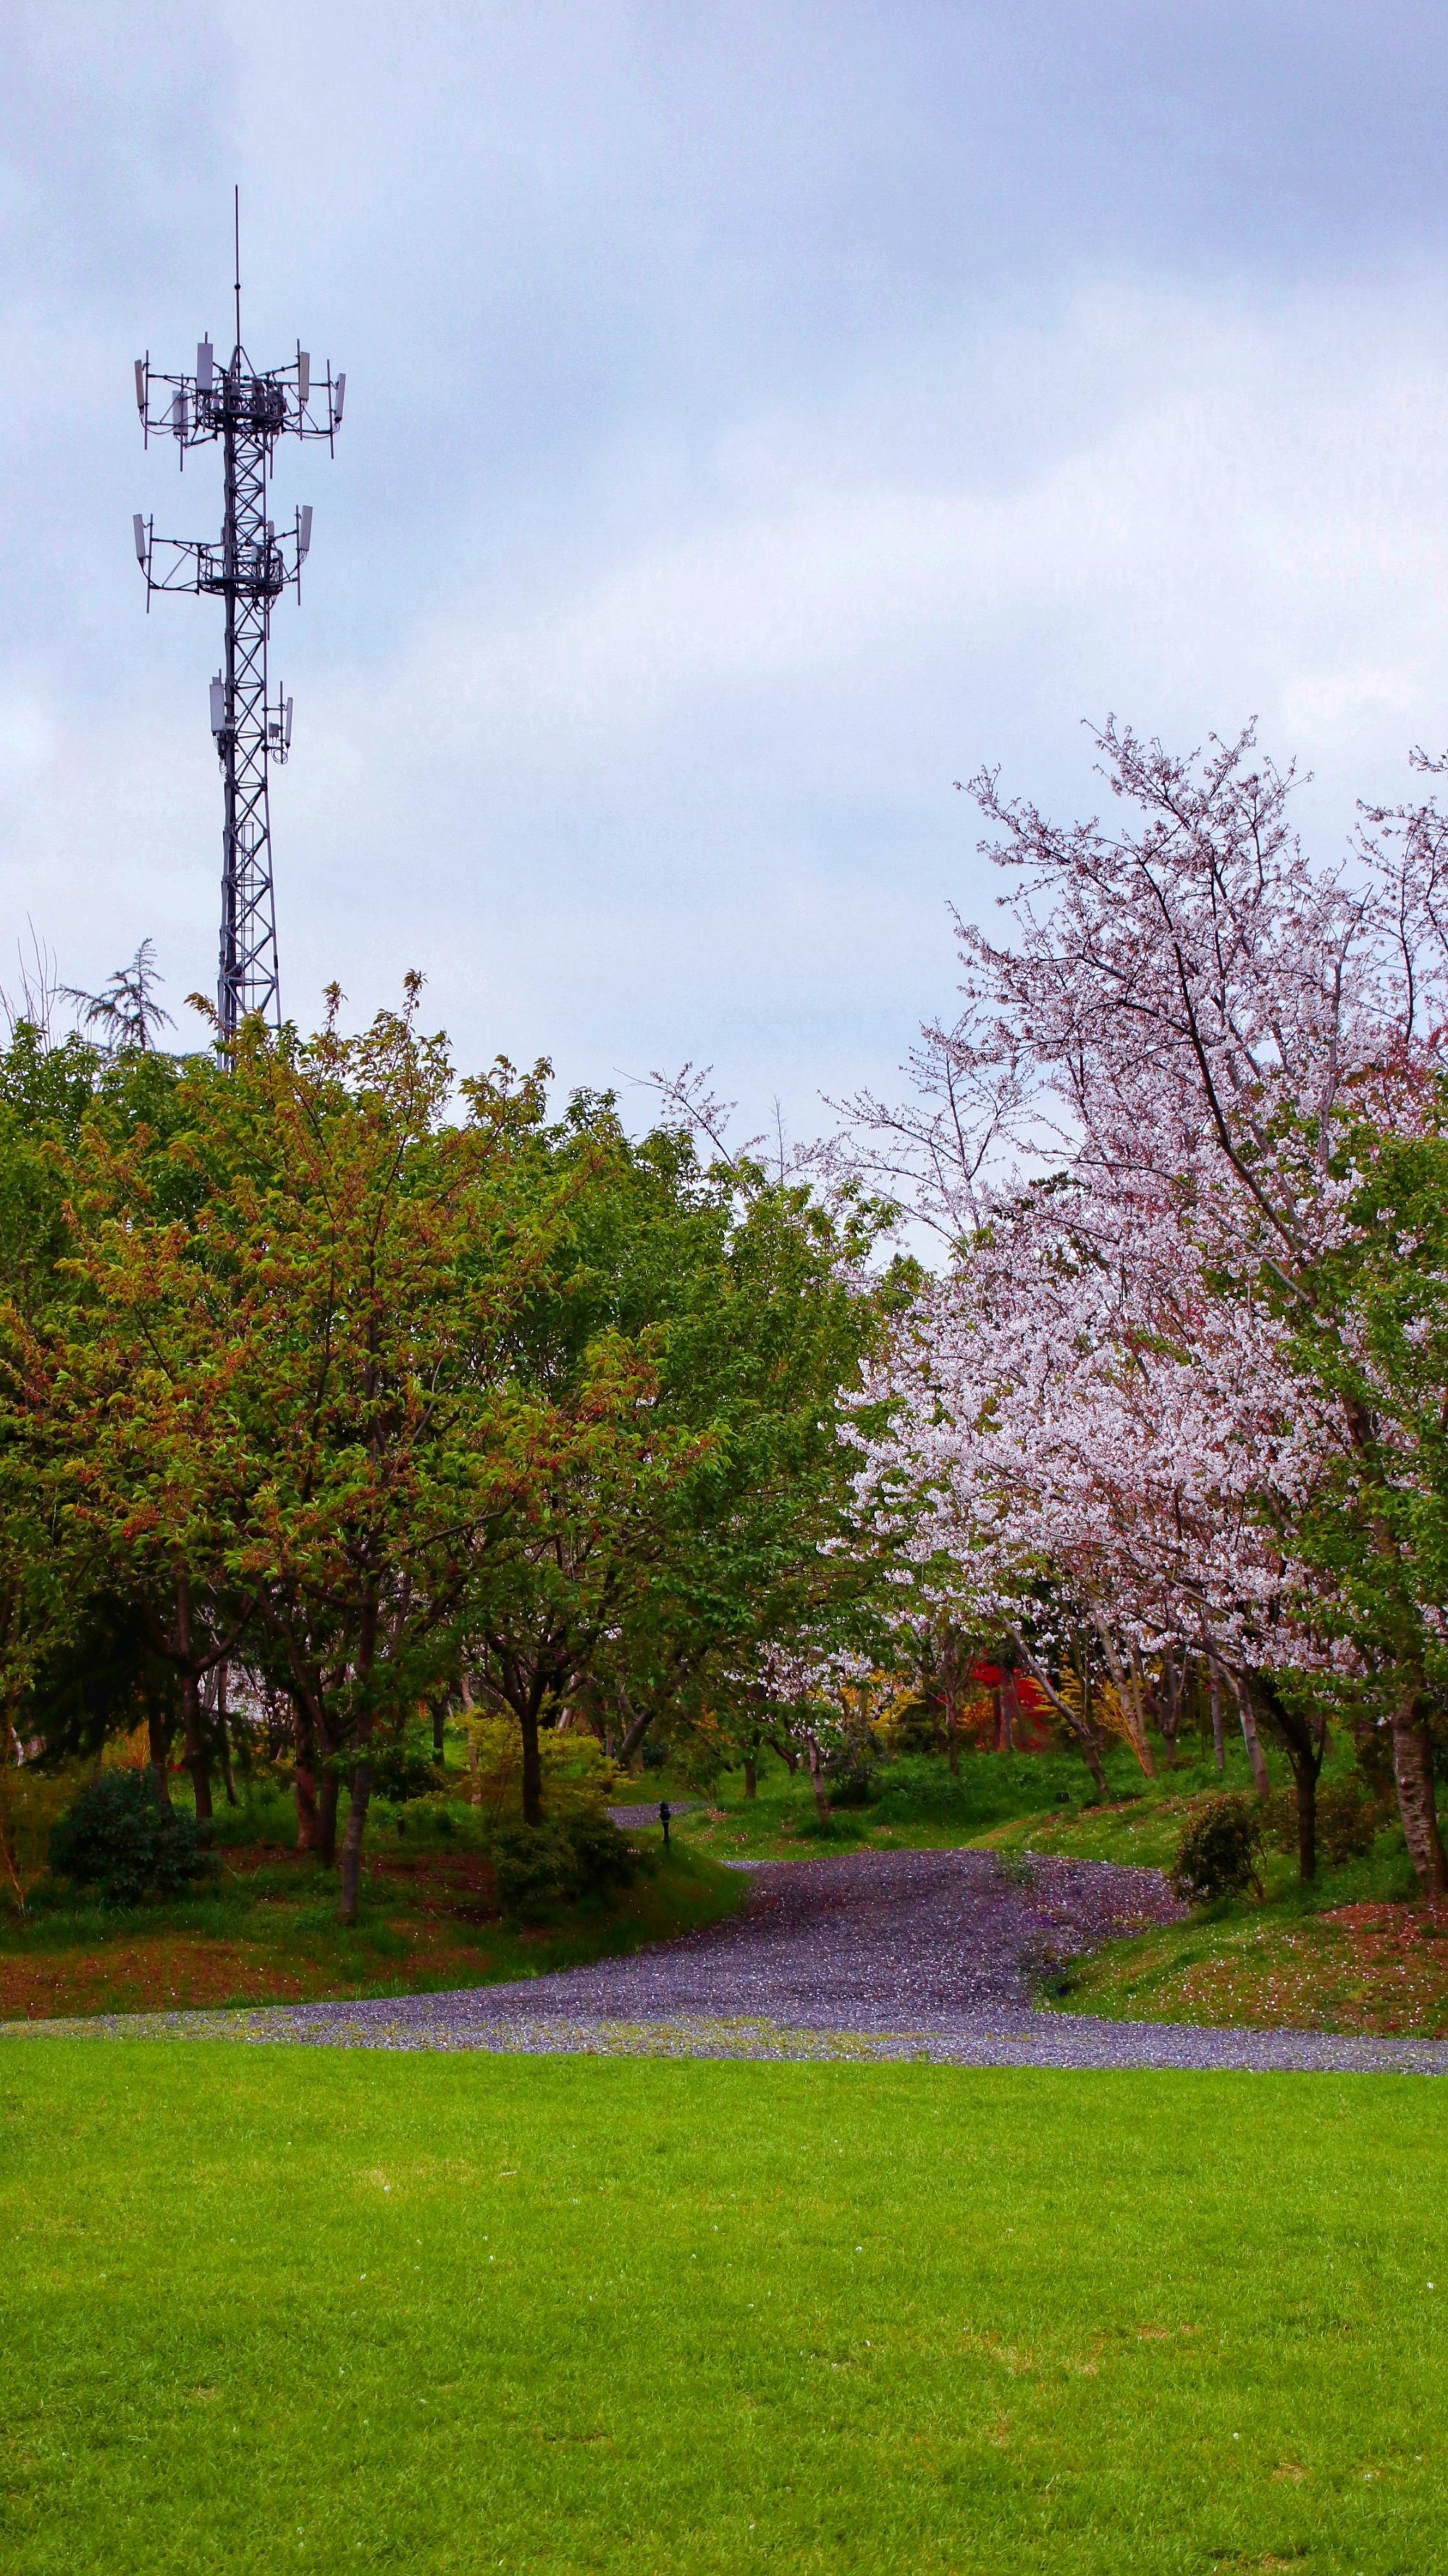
1217	1854
853	1788
1349	1817
402	1771
540	1867
119	1836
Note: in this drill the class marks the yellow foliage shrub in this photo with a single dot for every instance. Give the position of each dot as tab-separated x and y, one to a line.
578	1777
30	1802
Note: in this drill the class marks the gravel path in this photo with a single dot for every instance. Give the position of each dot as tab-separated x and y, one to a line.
928	1954
632	1818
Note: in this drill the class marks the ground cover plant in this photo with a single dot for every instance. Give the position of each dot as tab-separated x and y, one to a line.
470	2312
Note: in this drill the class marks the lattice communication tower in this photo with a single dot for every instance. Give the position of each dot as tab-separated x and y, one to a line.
246	410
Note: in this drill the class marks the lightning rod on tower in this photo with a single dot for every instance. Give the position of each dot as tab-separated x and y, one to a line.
247	411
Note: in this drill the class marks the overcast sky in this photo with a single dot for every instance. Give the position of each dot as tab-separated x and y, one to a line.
757	418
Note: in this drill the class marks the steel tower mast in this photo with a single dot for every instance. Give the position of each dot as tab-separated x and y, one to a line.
246	410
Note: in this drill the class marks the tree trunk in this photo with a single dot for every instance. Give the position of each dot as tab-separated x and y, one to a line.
1304	1752
306	1788
1127	1700
1261	1777
952	1731
1086	1738
532	1770
1413	1774
1135	1698
327	1796
787	1754
1087	1733
1004	1742
1305	1776
1304	1744
8	1851
817	1781
751	1777
158	1739
1306	1822
352	1842
223	1738
196	1761
439	1739
1219	1724
304	1742
1171	1702
1168	1704
1078	1722
639	1720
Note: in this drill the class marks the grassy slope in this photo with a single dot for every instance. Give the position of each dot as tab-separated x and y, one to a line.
264	2308
1350	1953
268	1930
1384	1969
921	1805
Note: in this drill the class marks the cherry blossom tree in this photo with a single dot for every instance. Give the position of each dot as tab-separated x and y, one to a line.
815	1696
1107	1454
1186	1021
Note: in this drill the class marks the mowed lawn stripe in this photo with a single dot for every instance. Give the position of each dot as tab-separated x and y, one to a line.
277	2306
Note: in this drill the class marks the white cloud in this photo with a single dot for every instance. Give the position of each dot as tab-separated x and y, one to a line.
720	480
730	752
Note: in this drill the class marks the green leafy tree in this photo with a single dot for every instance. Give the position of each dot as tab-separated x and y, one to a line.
1376	1337
684	1349
70	1655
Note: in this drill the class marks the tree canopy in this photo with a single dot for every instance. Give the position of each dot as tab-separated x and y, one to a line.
385	1389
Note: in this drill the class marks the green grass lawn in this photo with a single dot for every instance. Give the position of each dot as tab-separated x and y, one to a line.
268	2308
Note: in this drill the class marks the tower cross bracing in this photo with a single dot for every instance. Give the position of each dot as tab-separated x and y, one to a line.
245	410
